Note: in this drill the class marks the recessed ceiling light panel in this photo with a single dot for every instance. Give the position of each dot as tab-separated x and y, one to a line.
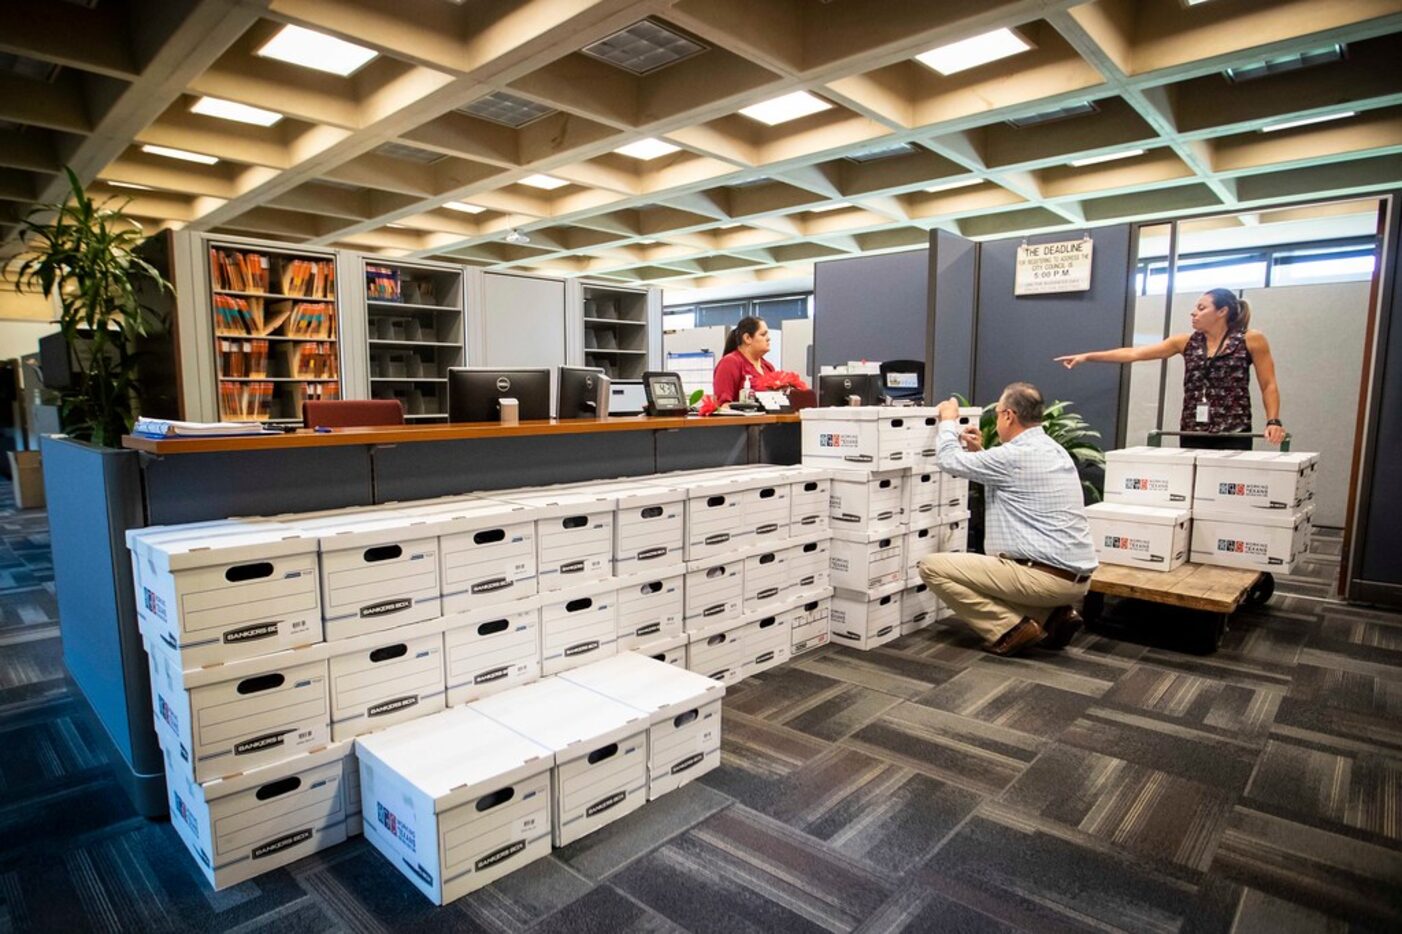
783	109
1307	121
1051	116
1281	64
318	51
649	148
1107	157
462	207
129	185
876	153
950	186
544	182
232	110
182	154
27	67
408	153
507	109
644	47
974	51
829	207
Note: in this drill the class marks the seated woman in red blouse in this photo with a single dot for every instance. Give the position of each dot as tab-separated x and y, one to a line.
744	356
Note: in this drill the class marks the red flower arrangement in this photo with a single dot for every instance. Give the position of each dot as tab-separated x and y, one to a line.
707	406
778	381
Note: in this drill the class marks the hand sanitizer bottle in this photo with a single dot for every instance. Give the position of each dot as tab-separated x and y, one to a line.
747	394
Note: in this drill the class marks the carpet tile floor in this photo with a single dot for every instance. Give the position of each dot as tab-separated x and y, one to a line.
1123	784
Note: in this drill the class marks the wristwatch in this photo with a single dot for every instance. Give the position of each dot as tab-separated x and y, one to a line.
1274	421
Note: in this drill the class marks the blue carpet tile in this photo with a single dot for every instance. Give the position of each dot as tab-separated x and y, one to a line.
1122	784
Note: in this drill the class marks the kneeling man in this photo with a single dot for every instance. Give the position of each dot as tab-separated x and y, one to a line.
1039	555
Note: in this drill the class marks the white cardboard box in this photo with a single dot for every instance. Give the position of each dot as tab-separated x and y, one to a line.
650	609
243	715
766	509
491	649
252	823
1154	538
867	619
870	436
386	678
919	608
768	581
574	533
868	501
954	496
810	499
671	650
714	594
866	560
1249	483
455	801
649	527
716	524
1269	541
918	544
683	708
350	777
809	624
215	592
487	551
578	626
954	531
379	569
734	654
600	748
925	433
1147	476
922	498
810	565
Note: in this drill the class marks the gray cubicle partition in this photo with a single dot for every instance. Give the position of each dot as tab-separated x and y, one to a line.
870	308
1018	337
953	305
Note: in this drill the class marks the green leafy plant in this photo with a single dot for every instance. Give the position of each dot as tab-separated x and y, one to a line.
84	253
1072	432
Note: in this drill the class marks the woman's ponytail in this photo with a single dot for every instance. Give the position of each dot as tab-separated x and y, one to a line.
747	326
1243	317
1238	309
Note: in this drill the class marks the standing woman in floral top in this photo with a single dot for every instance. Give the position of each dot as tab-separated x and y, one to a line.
1217	358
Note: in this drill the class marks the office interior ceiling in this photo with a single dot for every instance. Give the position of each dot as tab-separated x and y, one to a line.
368	161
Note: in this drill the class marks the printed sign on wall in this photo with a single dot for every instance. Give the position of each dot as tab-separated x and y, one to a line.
1053	267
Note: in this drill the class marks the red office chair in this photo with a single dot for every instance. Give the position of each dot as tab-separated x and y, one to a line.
352	413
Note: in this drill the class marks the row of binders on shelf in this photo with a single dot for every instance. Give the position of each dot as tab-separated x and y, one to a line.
243	359
239	272
272	641
315	361
239	317
245	402
1166	506
231	270
386	284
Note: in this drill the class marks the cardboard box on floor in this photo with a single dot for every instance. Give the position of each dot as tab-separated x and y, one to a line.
27	473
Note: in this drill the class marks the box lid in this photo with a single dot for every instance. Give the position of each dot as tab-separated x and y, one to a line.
1292	461
1151	515
857	475
467	513
254	778
238	669
952	517
857	413
628	493
455	755
658	646
552	502
871	593
862	536
363	528
659	689
180	547
1273	518
483	614
562	716
1144	454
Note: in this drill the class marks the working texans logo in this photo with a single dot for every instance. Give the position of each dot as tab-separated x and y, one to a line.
1236	546
833	440
1242	489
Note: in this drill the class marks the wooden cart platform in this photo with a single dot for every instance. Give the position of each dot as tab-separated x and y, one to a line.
1216	592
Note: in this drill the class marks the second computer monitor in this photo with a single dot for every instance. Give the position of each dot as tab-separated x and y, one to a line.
836	388
475	392
578	393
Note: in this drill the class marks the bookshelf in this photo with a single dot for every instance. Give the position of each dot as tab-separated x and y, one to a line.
616	331
276	330
414	331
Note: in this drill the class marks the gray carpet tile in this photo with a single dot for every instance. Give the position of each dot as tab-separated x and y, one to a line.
1122	784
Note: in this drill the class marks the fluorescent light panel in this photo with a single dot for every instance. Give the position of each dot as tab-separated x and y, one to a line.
950	186
462	207
829	207
644	47
507	109
544	182
650	148
971	53
1306	121
1108	157
182	154
233	110
315	50
783	109
130	185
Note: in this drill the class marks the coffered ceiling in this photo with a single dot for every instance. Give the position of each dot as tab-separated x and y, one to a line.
619	137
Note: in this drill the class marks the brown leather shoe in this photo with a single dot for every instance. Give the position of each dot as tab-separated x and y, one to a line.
1061	626
1025	634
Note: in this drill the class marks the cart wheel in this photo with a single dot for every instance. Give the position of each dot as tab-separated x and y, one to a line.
1211	630
1261	591
1092	606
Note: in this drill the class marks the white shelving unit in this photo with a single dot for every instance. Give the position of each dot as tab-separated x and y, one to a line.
616	330
414	331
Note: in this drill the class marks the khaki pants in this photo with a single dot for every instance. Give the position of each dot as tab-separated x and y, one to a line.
992	594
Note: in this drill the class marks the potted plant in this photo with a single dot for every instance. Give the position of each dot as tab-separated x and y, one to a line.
1066	428
84	253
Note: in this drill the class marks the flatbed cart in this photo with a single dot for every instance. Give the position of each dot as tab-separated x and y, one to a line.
1213	592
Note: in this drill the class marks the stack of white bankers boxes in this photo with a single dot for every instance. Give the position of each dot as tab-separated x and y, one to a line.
274	642
890	506
1166	506
756	574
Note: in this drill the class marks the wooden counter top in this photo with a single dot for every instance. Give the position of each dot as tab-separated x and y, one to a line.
411	434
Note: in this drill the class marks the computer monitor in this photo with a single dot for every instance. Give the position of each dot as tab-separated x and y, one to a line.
474	392
835	388
903	379
627	397
577	393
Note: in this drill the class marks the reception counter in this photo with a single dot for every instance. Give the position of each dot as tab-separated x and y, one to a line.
97	494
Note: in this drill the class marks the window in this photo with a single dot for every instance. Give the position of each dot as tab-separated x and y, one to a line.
1287	264
1324	264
